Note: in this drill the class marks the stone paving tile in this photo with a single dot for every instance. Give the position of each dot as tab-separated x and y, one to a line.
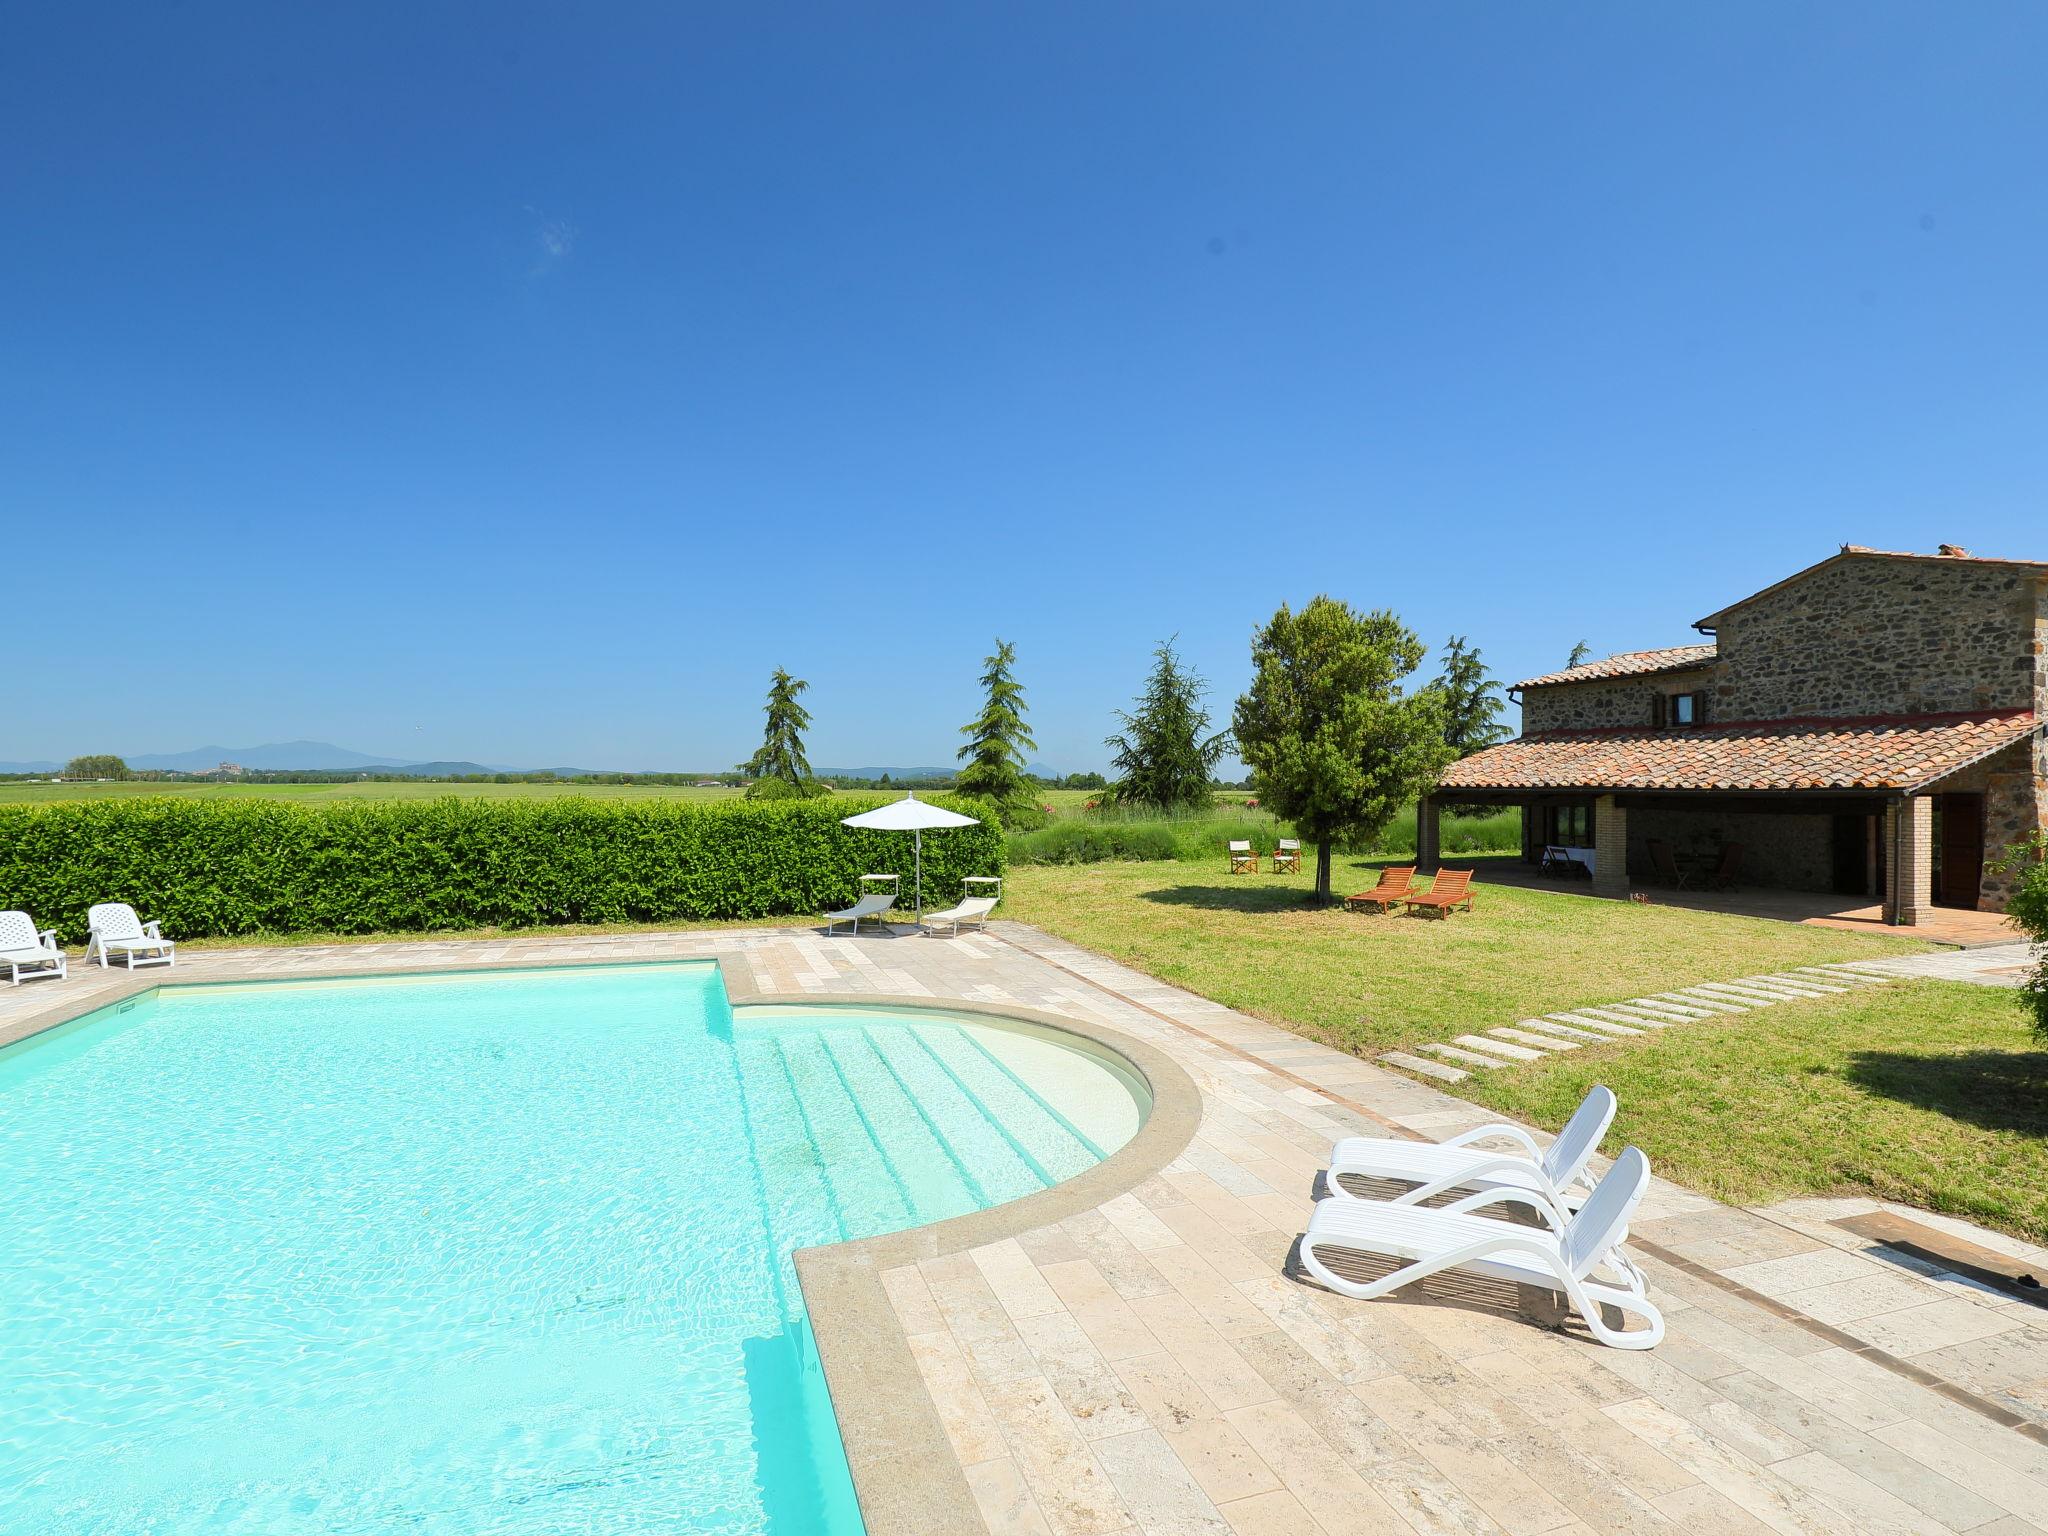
1150	1365
1606	1027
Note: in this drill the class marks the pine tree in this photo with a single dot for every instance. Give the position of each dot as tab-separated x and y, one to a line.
1163	756
1579	653
1472	700
780	760
998	738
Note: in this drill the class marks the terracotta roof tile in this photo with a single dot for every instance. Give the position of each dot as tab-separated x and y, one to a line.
1901	753
1670	658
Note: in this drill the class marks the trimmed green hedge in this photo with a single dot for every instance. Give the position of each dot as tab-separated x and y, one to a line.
209	867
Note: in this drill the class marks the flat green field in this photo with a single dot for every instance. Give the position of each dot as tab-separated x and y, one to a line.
1931	1093
1367	983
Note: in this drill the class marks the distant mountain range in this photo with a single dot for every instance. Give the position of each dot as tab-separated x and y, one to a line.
327	757
276	754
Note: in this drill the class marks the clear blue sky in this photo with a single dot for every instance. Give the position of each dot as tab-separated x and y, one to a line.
523	384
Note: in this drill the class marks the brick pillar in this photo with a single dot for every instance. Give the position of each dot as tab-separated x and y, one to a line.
1532	843
1610	847
1909	890
1426	835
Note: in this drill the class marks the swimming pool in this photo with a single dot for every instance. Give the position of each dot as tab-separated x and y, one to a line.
468	1253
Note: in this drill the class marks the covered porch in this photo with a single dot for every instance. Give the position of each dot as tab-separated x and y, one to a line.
1838	860
1941	925
1901	822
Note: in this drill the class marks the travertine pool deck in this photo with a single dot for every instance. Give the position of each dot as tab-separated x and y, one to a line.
1149	1362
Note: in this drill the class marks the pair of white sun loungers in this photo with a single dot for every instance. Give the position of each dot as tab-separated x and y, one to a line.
112	929
971	910
1575	1248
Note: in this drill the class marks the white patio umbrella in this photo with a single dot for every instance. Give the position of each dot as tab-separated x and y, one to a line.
913	815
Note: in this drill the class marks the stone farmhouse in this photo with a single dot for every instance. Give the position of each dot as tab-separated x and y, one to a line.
1873	725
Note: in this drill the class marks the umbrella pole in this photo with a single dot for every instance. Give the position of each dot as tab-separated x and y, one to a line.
919	834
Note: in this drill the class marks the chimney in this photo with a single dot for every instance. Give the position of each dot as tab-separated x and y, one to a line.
1953	551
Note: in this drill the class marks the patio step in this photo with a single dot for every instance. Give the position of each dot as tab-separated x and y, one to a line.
1668	1006
1742	992
1799	983
1614	1017
1469	1058
1435	1069
1605	1026
1853	978
1530	1038
1656	1017
1664	1005
1568	1031
1498	1047
1708	1000
1534	1039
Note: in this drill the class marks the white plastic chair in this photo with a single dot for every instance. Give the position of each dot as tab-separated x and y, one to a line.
113	928
1437	1166
1562	1256
24	947
972	908
871	904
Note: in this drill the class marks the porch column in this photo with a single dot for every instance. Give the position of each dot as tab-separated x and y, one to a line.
1909	832
1610	847
1426	835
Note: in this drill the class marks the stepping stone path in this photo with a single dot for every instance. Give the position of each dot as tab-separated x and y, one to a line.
1535	1039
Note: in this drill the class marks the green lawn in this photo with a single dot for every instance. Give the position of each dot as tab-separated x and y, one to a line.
1930	1093
1366	983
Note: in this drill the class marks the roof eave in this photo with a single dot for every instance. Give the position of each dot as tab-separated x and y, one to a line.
1972	761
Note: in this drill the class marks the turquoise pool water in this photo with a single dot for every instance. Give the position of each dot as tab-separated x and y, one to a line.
502	1254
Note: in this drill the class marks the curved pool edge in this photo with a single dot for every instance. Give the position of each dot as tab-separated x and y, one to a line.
908	1478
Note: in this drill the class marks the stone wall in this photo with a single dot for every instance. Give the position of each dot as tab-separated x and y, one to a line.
1872	636
1609	702
1780	852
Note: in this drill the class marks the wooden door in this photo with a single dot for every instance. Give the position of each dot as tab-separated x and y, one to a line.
1961	870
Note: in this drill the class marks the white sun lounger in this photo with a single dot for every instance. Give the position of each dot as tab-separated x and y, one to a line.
972	909
1436	1166
115	929
24	947
871	904
1561	1256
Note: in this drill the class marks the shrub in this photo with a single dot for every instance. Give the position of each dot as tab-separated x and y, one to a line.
211	867
2029	908
1092	842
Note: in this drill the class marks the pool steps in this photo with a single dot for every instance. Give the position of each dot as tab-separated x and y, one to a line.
889	1121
